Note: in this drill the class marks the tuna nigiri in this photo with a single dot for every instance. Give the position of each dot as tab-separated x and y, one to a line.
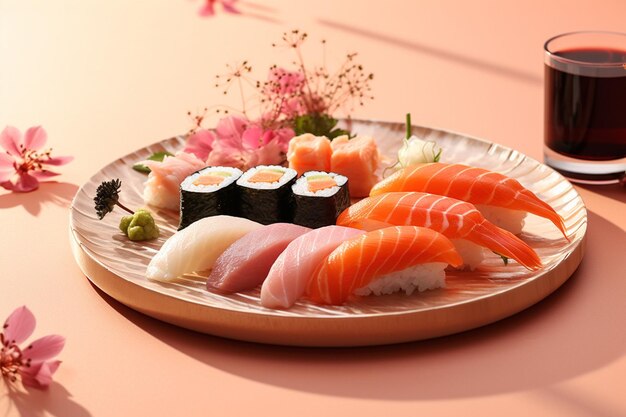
246	263
486	189
290	274
454	218
196	247
372	263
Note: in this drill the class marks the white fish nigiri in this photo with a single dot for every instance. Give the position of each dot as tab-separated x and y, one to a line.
245	264
196	247
290	274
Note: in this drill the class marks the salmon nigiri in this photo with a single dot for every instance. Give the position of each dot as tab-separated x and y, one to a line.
382	262
486	189
453	218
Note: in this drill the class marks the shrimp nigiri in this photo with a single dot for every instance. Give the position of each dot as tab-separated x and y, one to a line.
453	218
382	262
486	189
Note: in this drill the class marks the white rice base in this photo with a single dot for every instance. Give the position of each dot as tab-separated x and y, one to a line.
188	184
472	254
507	219
301	187
288	175
422	277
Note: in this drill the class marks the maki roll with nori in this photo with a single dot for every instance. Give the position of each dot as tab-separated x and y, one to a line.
208	192
319	198
265	194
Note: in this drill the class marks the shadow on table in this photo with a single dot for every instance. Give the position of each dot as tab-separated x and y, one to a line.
436	52
574	331
57	193
615	192
55	401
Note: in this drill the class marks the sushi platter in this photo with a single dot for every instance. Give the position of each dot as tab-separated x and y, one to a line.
139	274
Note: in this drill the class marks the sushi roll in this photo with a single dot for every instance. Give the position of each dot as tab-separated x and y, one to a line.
208	192
319	198
265	194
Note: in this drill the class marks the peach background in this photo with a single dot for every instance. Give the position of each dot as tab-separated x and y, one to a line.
107	77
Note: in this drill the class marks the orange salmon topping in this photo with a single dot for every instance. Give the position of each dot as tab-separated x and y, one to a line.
209	179
266	175
322	183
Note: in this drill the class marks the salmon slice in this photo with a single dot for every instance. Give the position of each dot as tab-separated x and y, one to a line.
358	159
309	153
322	182
358	261
474	185
453	218
266	175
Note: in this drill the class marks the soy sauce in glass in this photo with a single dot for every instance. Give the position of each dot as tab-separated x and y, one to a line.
585	105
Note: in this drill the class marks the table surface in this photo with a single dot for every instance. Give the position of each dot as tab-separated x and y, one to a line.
105	78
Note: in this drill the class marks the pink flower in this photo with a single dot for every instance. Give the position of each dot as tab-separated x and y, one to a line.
208	9
200	143
24	165
32	363
241	143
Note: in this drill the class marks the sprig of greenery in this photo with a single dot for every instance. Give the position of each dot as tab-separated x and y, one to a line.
157	156
318	125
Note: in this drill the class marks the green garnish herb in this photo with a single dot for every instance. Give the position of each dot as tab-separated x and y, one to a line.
157	156
408	125
504	258
107	197
318	125
438	156
139	226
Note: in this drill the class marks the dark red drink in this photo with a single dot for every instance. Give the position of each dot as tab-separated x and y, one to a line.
585	106
586	116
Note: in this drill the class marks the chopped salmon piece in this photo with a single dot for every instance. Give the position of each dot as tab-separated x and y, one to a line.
309	153
358	159
321	183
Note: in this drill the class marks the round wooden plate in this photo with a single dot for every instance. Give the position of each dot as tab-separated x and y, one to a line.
470	299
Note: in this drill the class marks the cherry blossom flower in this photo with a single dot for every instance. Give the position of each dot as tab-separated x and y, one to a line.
208	9
200	143
241	143
24	164
32	364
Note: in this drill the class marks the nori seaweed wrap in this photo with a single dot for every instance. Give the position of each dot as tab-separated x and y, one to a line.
319	198
265	194
208	192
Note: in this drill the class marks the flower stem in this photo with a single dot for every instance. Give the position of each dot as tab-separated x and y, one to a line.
124	207
408	125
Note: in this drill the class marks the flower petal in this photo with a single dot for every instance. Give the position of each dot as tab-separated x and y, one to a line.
11	139
24	184
200	144
35	137
44	174
252	136
207	9
44	348
39	375
229	6
59	160
230	129
19	325
6	167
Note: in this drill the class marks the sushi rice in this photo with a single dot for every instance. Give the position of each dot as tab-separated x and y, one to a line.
188	183
301	186
428	276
